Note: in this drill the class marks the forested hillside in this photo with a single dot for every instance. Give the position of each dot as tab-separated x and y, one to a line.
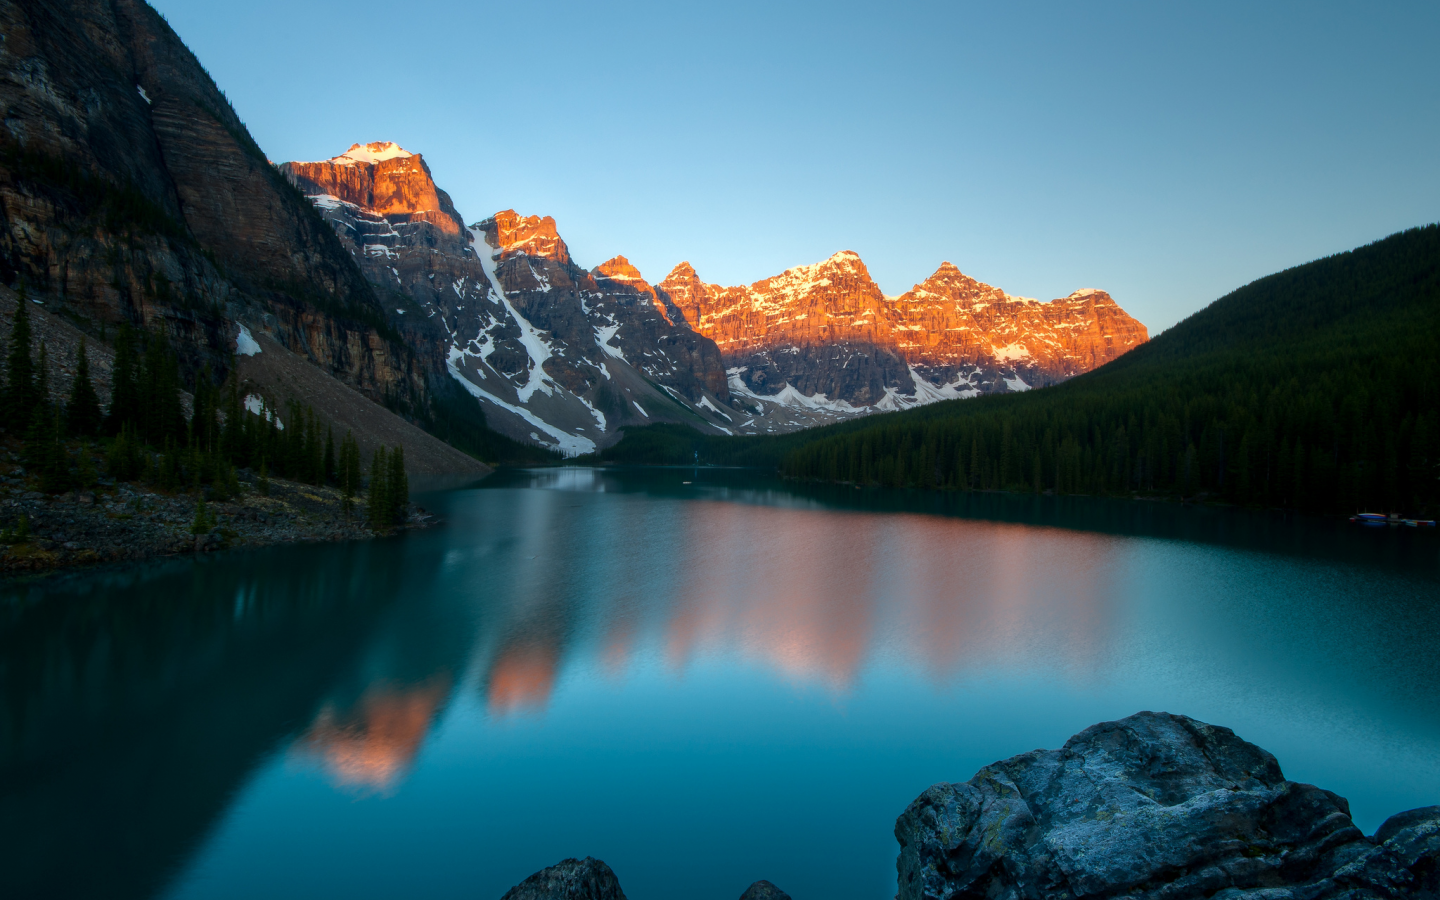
1316	388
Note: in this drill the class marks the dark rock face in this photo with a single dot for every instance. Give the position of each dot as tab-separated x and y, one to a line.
764	890
1156	805
131	191
571	879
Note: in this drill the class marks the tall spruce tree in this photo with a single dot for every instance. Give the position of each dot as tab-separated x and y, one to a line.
125	400
329	473
83	410
204	416
378	505
349	465
160	393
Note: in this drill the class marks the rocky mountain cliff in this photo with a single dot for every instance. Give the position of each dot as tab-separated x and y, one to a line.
828	331
130	191
561	356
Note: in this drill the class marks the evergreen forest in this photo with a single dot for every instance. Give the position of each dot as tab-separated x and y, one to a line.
146	436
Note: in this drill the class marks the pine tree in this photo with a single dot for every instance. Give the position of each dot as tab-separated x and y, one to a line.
123	461
232	437
329	468
378	505
315	459
20	374
203	522
263	482
85	470
204	418
50	459
397	486
160	393
124	384
349	473
83	411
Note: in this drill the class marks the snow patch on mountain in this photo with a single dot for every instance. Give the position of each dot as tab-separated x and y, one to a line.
245	343
603	334
568	444
257	406
531	338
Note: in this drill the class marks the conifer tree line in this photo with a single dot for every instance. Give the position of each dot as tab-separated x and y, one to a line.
147	436
1315	389
1290	448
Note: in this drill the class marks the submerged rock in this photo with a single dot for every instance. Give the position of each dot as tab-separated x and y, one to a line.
764	890
1154	806
570	879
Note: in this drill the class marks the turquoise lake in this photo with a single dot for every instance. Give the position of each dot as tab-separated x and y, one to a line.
703	677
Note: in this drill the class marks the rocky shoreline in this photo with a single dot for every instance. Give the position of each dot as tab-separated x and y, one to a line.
1155	806
124	522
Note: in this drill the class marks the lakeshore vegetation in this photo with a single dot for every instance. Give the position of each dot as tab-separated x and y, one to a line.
145	436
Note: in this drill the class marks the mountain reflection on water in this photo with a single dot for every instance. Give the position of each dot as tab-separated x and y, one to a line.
580	656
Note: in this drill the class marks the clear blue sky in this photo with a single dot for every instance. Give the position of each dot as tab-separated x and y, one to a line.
1165	152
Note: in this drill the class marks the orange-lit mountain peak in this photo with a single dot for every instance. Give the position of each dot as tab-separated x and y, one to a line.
682	273
952	284
620	269
515	234
380	178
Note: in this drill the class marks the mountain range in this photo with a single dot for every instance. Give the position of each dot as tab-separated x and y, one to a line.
568	356
131	192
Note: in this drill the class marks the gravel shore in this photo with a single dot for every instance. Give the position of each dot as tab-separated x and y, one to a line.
116	522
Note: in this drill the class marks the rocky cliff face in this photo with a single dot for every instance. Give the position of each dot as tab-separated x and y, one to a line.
131	191
827	329
1155	806
560	356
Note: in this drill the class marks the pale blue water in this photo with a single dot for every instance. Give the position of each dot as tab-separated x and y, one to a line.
702	684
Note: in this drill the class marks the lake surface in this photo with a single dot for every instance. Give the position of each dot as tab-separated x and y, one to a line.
702	677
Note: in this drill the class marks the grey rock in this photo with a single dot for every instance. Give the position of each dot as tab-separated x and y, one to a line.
764	890
570	879
1154	806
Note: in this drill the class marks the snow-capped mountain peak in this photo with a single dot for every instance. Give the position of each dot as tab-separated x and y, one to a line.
374	152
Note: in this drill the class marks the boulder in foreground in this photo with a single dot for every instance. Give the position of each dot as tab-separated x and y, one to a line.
764	890
1155	806
570	879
